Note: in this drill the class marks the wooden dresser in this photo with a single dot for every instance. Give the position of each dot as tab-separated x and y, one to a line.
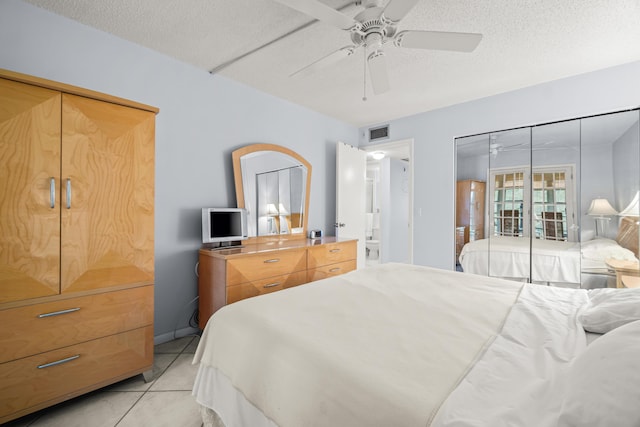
77	247
230	275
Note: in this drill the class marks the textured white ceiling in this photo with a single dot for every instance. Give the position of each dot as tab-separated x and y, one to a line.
525	42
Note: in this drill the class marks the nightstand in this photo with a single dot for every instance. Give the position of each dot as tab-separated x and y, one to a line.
630	281
627	272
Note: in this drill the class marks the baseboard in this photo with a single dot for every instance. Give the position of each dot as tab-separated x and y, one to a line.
178	333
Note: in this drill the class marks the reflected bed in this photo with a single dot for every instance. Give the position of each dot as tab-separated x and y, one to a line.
551	262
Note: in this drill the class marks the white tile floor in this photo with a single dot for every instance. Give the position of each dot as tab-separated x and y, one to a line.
166	401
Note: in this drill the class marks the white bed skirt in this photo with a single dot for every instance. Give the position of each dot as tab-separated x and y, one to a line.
222	405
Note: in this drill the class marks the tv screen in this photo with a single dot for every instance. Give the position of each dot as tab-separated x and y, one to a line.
223	225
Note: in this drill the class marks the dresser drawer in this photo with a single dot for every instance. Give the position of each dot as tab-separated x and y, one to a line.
331	253
256	267
37	381
331	270
265	286
38	328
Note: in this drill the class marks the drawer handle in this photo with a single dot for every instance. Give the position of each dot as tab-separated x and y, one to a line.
56	313
335	250
271	285
58	362
272	260
333	270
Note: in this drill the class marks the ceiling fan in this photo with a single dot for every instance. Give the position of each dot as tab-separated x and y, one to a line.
374	27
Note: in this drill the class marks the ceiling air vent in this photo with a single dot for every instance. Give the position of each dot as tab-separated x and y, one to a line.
381	132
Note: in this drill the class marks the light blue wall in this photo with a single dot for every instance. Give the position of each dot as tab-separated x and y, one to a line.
396	248
202	119
434	132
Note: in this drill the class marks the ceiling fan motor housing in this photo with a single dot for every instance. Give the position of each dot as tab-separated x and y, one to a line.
371	22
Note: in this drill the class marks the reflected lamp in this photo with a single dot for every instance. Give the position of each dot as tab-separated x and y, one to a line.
601	209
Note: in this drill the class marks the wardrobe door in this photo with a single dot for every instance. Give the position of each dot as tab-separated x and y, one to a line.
509	184
472	163
107	204
29	193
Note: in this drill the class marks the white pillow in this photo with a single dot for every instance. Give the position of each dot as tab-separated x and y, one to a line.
587	235
601	249
603	383
609	309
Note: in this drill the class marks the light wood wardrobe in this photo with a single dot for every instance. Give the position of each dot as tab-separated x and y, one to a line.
76	248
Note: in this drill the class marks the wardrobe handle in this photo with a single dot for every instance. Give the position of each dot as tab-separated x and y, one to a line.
333	270
334	250
58	362
52	192
57	313
68	193
271	285
272	260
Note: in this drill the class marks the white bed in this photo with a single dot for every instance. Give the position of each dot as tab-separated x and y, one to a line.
404	346
551	262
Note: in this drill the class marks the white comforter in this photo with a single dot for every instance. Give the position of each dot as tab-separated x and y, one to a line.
377	347
520	381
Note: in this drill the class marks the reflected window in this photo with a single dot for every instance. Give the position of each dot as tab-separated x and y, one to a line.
551	191
551	210
508	202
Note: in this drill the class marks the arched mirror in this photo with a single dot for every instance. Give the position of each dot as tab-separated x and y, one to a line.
272	184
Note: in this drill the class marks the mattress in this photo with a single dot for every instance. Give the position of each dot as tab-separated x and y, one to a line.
388	345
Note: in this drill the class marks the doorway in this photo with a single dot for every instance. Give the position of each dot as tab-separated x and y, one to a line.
389	202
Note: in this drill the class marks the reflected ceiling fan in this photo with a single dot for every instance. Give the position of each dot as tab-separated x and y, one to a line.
374	27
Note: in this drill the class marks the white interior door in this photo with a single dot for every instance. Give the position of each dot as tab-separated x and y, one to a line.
351	173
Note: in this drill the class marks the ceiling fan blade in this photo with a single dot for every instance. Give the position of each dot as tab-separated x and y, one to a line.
398	9
325	61
438	40
378	72
321	12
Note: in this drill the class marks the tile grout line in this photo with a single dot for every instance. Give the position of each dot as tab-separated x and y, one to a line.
152	382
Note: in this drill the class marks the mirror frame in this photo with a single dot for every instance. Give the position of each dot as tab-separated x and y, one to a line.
237	176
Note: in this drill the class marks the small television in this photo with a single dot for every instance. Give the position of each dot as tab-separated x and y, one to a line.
224	226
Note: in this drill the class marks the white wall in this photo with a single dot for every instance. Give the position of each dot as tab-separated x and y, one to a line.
433	132
202	119
397	247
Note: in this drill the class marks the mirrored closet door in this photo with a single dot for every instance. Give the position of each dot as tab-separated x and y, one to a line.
560	201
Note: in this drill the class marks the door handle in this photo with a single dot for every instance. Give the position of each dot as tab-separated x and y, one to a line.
52	192
68	193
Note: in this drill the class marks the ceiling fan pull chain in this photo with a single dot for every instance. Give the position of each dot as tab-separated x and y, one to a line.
364	76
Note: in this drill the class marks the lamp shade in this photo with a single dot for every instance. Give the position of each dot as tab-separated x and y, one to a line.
634	207
601	207
282	210
272	210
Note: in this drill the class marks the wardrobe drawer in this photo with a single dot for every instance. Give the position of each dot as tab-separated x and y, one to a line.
37	381
264	286
38	328
331	253
260	266
331	270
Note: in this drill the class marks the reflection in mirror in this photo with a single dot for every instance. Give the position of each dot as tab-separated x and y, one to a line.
272	184
509	190
567	190
555	167
472	162
280	201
